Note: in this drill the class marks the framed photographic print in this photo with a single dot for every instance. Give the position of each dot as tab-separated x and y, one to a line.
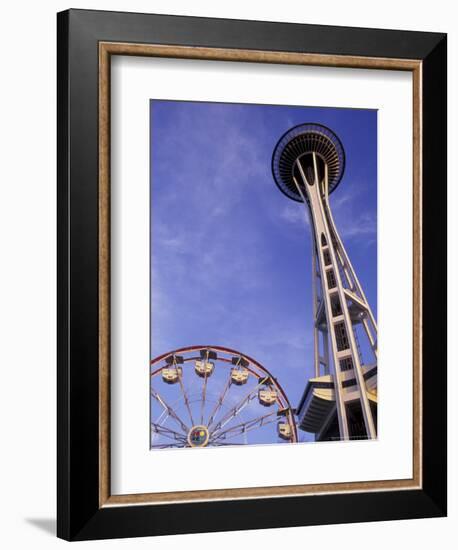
252	274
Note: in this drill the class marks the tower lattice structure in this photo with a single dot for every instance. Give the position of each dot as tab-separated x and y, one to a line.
340	400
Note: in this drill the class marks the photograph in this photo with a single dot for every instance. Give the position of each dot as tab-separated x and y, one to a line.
263	274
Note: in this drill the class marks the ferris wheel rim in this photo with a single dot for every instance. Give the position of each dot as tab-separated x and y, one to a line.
223	349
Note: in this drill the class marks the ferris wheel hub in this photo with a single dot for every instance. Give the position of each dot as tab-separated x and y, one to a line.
198	436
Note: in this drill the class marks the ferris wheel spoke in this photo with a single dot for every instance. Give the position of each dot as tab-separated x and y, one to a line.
168	432
204	390
244	427
219	402
236	409
204	396
169	410
186	398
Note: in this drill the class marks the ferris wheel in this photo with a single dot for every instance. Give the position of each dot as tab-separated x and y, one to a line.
213	396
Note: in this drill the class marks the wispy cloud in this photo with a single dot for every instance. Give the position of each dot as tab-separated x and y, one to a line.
362	225
294	214
355	218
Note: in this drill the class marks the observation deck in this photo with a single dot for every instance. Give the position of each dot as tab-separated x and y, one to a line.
299	143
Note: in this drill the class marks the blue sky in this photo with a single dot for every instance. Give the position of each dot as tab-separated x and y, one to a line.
230	254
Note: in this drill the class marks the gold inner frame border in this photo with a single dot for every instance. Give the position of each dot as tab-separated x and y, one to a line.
108	49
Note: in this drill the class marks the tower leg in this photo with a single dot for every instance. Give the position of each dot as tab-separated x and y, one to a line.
316	339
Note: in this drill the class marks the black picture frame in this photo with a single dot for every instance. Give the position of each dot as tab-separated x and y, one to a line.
80	516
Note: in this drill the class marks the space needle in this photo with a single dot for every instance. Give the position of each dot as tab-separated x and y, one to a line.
340	401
